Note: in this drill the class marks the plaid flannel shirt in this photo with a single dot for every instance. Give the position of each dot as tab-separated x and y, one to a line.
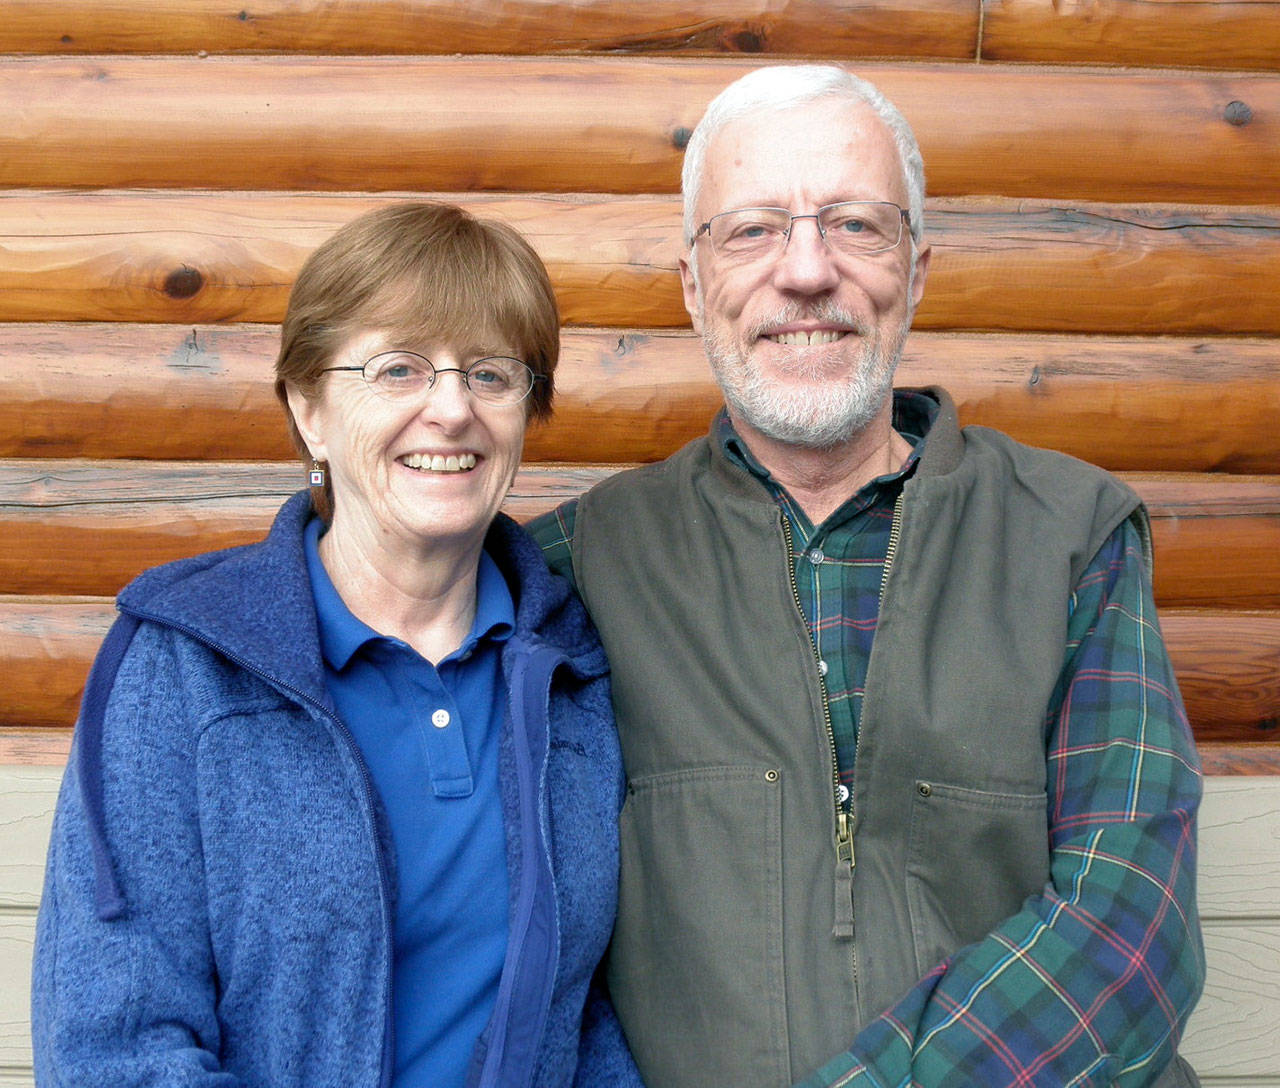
1092	981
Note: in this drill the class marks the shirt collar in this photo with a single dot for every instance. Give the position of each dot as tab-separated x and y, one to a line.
913	415
342	634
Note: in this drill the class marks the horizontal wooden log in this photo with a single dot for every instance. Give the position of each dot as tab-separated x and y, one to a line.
998	264
108	523
47	645
36	748
527	123
178	392
1228	664
85	528
1217	758
1241	34
809	28
1228	669
1203	525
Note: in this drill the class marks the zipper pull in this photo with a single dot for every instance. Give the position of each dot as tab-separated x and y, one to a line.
843	927
844	840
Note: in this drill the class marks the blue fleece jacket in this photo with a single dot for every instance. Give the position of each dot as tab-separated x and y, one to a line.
219	890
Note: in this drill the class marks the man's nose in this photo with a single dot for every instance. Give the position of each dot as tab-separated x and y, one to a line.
806	265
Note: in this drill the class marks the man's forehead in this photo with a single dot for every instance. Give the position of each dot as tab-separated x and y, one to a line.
835	147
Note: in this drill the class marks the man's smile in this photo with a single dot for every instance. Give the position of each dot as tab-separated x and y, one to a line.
806	339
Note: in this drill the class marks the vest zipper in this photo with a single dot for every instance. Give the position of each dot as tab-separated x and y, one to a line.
844	840
891	550
895	531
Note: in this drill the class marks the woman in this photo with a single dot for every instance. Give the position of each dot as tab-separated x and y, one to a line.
341	807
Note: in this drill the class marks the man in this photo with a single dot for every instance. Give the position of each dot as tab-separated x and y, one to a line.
912	794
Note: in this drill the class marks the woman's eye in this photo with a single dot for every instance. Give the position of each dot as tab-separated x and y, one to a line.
486	375
399	370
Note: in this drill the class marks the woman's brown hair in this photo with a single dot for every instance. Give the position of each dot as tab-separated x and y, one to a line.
424	272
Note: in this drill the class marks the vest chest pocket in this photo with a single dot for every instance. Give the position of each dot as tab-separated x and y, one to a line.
697	949
974	857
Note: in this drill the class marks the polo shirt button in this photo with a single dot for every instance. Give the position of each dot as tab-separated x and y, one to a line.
843	793
816	556
440	718
822	668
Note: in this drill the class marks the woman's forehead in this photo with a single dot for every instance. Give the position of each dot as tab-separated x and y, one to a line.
426	340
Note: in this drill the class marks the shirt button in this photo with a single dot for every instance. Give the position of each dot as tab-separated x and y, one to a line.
440	718
816	556
822	668
843	793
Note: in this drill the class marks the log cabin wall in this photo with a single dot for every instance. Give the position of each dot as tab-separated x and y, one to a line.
1104	180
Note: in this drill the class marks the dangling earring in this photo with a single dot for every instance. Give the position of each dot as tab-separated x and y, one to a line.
316	476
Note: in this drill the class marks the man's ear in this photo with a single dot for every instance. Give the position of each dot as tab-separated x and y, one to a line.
923	255
307	416
689	285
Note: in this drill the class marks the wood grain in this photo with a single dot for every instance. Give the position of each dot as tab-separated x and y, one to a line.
27	798
1241	994
181	392
1180	33
1218	758
808	28
998	264
1226	34
1217	539
448	123
1228	671
22	747
17	934
47	645
1238	841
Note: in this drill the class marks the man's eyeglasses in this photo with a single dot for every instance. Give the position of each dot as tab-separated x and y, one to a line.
855	227
402	374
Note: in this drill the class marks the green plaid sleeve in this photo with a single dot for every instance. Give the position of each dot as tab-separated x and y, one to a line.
1092	982
553	532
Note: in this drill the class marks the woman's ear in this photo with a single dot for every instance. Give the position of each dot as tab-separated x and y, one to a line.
308	415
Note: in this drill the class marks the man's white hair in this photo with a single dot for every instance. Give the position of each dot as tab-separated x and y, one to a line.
780	87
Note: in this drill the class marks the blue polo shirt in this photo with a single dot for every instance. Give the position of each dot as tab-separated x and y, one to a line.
429	735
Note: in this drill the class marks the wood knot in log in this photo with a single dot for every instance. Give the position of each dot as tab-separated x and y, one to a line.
680	137
183	282
1237	113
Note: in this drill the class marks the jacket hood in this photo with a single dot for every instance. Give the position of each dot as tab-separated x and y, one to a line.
254	603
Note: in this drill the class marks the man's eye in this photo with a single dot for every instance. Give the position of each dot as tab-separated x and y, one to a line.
751	232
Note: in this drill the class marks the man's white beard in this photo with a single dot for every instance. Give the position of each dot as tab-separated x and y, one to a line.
819	411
